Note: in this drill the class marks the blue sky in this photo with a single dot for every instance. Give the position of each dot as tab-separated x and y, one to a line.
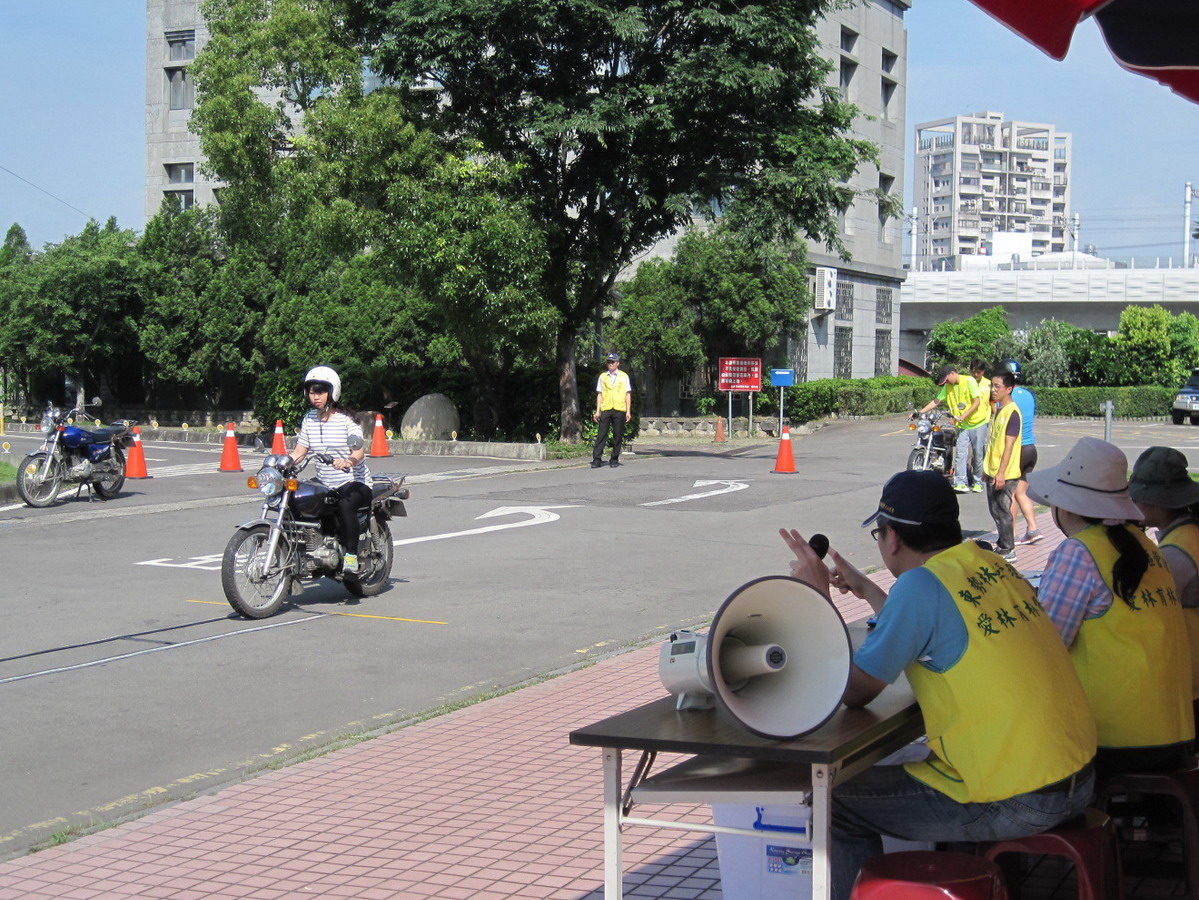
71	117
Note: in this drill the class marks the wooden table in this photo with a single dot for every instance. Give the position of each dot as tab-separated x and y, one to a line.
736	766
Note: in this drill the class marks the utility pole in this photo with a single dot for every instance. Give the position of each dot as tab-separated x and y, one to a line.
1187	226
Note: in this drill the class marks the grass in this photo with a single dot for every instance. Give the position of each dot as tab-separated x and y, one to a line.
8	472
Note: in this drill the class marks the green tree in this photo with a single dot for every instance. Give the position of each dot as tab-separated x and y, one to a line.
1142	346
622	119
1184	345
957	342
393	249
16	246
202	308
75	308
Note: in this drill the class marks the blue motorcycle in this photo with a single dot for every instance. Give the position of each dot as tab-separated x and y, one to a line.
72	455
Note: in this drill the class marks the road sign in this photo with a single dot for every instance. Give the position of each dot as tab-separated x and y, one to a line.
782	377
739	375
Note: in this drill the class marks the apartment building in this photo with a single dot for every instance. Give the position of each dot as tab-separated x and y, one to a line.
980	176
175	32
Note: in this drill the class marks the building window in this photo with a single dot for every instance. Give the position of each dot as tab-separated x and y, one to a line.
848	69
885	184
187	199
887	95
849	39
179	87
181	173
181	45
882	352
843	352
844	298
888	61
882	305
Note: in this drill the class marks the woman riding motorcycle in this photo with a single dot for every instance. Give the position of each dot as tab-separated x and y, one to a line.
327	428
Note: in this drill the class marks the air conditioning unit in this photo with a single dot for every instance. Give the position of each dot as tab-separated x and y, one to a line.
825	291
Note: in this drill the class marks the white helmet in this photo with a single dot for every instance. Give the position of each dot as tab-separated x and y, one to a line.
324	375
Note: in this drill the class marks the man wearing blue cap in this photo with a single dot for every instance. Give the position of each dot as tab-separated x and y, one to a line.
1006	757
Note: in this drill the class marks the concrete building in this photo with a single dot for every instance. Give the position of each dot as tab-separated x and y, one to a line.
1089	293
175	32
979	177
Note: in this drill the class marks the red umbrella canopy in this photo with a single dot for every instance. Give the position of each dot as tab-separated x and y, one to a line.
1155	38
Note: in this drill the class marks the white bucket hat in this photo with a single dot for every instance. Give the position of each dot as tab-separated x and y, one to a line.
1092	482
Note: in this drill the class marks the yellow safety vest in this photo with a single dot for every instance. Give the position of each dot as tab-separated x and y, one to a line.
612	396
958	398
1010	716
1134	661
1186	538
996	441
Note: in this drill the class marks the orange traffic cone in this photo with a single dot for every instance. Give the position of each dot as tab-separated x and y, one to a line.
135	464
720	438
230	461
379	439
785	463
277	444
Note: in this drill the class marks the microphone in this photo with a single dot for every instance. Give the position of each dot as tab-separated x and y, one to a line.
819	543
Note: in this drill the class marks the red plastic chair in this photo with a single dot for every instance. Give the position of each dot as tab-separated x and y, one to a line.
1088	841
929	875
1183	787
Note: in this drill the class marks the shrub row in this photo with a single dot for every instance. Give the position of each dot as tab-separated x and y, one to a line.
889	394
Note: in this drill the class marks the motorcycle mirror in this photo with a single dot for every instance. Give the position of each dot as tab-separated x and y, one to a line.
96	401
355	443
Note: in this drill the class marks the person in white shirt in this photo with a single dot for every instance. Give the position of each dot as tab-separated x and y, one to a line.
327	429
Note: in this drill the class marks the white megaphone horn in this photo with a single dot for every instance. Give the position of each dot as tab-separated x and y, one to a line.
776	658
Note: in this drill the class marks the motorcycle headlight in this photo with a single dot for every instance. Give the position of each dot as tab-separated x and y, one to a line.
922	426
270	482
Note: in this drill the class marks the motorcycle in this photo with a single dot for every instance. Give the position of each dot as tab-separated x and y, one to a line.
936	435
295	538
71	454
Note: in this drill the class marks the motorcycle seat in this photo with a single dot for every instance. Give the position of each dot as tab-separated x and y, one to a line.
102	435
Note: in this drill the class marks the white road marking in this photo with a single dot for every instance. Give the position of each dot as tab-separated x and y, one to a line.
196	562
14	506
186	469
729	487
538	515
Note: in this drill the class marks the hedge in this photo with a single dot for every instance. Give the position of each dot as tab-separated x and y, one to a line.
889	394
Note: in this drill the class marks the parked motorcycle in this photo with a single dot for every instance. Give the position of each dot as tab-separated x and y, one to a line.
295	538
71	454
936	435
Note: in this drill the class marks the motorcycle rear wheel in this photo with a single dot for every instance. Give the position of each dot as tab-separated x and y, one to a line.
374	573
109	484
253	595
34	491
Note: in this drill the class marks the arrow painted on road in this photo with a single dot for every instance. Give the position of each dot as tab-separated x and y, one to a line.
538	515
729	487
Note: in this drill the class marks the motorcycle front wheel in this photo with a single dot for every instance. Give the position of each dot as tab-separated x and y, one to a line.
109	484
35	490
916	460
255	587
374	566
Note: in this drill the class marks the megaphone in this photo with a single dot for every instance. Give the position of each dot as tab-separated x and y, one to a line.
776	658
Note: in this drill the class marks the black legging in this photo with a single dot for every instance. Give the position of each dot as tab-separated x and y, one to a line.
351	498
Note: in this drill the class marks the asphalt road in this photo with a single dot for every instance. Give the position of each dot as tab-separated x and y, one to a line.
126	681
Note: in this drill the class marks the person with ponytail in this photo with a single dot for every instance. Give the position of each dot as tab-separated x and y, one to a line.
1110	593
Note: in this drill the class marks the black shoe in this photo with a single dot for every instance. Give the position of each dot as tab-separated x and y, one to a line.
596	463
614	464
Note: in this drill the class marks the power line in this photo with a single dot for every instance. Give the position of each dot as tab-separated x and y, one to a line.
47	193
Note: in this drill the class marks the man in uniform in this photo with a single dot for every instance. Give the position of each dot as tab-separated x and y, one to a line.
613	409
968	408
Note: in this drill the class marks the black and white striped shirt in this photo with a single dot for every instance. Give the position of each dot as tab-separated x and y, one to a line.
332	437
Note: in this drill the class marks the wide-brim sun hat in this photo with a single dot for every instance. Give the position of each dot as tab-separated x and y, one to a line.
1160	477
1092	482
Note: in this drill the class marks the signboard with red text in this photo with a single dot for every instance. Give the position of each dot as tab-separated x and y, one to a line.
739	375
